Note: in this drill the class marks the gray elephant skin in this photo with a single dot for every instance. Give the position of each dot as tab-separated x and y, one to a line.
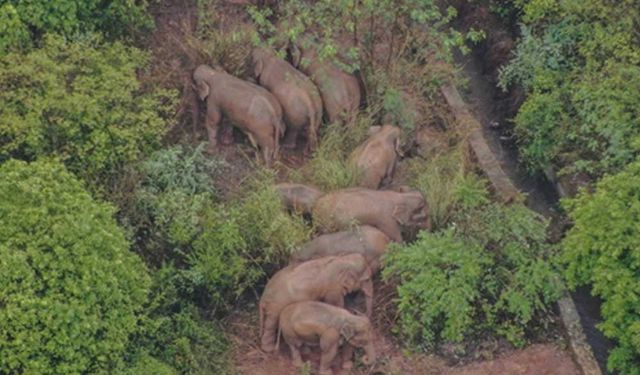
300	100
388	211
365	240
327	326
339	90
376	158
326	279
251	108
298	198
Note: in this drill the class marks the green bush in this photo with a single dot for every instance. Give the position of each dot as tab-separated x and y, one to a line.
488	274
579	62
70	290
329	168
80	101
222	249
603	249
32	19
446	184
173	336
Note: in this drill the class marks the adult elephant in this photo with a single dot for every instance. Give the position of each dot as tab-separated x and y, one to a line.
340	91
251	108
297	94
326	279
377	157
389	211
365	240
330	328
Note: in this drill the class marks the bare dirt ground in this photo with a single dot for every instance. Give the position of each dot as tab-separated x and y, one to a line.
173	64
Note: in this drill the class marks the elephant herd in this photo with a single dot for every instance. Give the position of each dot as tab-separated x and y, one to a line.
304	302
286	102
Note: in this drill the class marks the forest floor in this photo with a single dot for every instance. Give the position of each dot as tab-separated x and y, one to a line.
173	19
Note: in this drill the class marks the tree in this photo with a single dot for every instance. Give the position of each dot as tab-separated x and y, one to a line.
71	291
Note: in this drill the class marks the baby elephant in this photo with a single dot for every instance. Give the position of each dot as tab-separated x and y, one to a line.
365	240
377	157
298	198
329	326
327	279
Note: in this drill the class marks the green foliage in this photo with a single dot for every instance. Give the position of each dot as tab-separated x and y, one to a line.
603	249
221	249
329	169
487	274
80	101
32	19
173	336
70	290
446	185
579	62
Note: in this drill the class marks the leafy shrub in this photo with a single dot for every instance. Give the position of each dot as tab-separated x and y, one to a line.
173	335
602	249
446	184
70	290
329	168
32	19
80	101
488	274
579	62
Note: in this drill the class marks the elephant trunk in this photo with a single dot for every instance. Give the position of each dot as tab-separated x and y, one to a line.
367	289
370	354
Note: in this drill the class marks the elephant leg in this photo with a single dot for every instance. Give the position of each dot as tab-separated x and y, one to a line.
295	355
268	339
226	134
290	137
329	348
347	357
212	121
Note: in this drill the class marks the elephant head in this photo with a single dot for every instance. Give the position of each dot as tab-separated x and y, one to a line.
357	332
411	210
354	274
201	77
258	59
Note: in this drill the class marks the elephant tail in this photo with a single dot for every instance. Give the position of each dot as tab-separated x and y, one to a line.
261	315
315	118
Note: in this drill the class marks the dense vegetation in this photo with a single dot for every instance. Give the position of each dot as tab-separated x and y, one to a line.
145	282
579	62
603	249
71	291
487	273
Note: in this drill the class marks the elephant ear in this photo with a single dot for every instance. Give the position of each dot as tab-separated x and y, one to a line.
296	55
258	65
401	213
347	330
203	89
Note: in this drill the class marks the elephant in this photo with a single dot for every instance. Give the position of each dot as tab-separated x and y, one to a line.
314	323
300	100
388	211
377	157
327	279
250	107
298	198
339	90
365	240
